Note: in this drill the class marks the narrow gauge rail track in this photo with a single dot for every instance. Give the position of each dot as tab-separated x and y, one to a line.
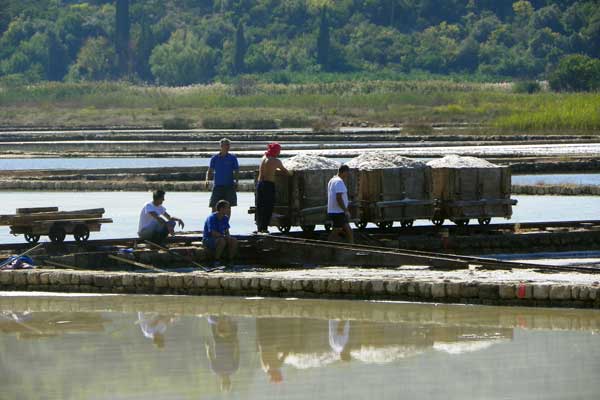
436	260
439	259
477	229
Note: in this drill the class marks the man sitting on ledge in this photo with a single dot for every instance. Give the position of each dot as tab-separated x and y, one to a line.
155	223
216	236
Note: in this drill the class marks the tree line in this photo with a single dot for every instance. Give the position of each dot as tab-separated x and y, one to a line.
181	42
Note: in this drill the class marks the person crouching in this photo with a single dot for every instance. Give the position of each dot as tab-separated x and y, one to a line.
216	234
155	223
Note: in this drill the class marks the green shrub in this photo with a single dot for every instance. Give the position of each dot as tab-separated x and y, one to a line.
529	87
576	73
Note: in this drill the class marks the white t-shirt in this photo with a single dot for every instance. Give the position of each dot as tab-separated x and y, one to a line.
146	219
336	185
337	339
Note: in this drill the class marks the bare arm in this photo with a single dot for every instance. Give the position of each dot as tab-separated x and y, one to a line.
170	218
209	174
280	167
340	200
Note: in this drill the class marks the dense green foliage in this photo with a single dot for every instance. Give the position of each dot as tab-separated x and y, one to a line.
180	42
576	73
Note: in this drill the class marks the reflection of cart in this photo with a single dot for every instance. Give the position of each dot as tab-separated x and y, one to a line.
391	195
472	193
301	200
48	221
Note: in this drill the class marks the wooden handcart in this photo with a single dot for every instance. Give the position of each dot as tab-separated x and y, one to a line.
48	221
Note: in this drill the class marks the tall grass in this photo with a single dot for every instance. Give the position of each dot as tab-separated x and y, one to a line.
252	103
556	112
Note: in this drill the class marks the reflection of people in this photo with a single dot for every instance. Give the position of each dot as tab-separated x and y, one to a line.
154	326
337	205
155	223
216	235
265	188
339	336
225	167
223	351
270	339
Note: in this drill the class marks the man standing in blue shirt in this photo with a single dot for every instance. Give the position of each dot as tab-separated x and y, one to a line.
225	167
216	233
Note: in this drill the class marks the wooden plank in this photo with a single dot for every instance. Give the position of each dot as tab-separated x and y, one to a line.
36	210
91	213
135	263
180	256
74	221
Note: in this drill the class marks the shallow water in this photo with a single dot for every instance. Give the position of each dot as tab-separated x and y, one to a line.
149	347
124	209
557	179
117	162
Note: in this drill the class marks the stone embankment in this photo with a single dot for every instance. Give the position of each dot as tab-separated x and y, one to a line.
109	186
520	288
557	190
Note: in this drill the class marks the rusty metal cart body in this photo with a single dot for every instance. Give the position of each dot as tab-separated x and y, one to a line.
472	193
301	199
389	195
48	221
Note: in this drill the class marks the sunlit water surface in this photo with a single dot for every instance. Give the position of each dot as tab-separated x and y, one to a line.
148	347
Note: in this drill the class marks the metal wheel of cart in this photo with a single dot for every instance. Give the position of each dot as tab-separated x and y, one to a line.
57	234
31	238
327	227
284	228
438	221
81	233
308	228
484	221
461	222
362	225
385	224
407	223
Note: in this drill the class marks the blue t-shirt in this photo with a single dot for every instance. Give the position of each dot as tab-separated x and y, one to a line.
214	224
224	167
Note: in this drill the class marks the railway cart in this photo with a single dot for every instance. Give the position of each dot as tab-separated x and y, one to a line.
464	194
301	200
48	221
388	195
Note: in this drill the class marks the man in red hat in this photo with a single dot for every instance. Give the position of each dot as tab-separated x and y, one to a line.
265	189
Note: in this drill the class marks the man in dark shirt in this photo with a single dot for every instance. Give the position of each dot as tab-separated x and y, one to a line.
216	233
225	167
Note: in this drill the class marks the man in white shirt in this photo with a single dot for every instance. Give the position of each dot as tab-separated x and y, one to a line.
337	206
155	223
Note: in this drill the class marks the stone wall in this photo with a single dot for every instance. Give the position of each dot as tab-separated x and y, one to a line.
541	294
124	185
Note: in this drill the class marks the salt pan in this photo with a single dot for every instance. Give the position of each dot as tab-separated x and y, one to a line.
309	162
455	161
378	160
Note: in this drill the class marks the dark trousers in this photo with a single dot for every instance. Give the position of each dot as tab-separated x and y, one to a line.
265	201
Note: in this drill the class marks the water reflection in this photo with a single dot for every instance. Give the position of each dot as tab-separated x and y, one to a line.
223	350
154	326
214	347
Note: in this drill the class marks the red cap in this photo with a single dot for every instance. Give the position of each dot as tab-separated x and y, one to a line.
273	150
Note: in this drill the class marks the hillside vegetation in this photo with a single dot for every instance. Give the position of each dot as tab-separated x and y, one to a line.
182	42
